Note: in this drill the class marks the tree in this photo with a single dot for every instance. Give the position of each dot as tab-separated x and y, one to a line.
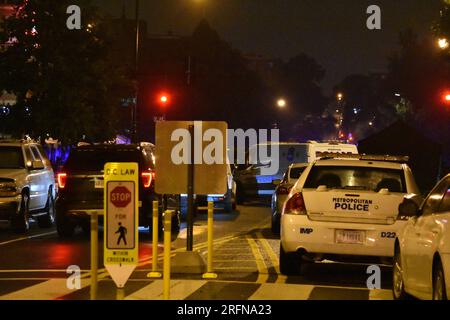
64	77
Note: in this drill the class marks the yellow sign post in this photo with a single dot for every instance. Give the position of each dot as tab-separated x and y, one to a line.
154	273
121	243
209	266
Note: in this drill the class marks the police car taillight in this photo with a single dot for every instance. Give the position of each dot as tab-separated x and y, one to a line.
295	205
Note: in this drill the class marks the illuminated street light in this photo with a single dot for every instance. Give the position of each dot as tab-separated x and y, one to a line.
340	96
443	43
281	103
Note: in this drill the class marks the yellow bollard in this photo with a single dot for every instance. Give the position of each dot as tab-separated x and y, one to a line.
120	294
154	273
94	255
167	244
209	266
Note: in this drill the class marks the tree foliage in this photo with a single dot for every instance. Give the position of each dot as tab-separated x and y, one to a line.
64	77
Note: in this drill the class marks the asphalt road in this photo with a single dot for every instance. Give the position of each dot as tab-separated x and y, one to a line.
33	266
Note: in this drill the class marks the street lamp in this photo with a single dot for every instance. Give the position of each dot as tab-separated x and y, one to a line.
340	96
281	103
443	43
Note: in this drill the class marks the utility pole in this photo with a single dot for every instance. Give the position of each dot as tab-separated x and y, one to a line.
135	114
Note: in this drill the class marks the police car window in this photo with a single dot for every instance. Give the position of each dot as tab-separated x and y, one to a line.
296	172
357	178
433	201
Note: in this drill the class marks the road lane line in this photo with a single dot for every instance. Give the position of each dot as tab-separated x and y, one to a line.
273	257
27	238
263	273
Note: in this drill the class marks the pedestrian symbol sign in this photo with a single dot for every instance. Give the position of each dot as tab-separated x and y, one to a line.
121	220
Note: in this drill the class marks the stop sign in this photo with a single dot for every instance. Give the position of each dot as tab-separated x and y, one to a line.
120	197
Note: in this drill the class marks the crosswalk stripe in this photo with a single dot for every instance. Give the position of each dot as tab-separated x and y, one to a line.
379	294
179	290
48	290
287	292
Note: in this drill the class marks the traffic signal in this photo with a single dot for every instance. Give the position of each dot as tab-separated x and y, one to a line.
446	98
163	99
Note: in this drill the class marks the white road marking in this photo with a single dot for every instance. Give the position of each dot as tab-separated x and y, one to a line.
27	238
48	290
179	290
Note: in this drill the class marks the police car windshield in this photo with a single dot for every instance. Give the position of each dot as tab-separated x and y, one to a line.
296	172
356	178
11	158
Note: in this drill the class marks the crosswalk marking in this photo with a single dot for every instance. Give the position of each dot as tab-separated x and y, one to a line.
179	290
48	290
286	292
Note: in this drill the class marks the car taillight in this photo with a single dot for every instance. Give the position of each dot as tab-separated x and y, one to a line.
295	205
62	178
283	190
147	178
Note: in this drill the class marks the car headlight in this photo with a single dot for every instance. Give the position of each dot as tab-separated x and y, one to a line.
8	189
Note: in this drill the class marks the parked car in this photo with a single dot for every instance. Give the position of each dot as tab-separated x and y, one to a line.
422	249
253	184
225	202
345	209
81	184
27	185
283	187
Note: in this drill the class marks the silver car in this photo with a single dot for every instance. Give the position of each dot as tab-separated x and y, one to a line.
282	190
27	185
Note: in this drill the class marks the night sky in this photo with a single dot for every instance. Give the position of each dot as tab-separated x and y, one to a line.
332	31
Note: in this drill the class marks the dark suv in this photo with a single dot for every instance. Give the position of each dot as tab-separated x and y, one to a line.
81	187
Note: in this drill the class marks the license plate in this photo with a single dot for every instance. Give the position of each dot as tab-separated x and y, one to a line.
350	236
99	183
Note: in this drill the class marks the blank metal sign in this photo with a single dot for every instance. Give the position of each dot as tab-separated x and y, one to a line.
171	175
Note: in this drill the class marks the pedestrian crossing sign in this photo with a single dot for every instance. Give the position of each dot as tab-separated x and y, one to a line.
121	197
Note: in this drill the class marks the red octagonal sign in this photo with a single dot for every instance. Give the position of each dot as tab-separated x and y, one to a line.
120	197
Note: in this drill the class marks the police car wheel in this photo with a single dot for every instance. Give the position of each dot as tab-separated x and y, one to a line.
290	263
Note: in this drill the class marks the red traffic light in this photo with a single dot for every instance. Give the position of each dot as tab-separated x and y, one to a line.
163	99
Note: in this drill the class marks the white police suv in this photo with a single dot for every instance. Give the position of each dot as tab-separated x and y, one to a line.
344	208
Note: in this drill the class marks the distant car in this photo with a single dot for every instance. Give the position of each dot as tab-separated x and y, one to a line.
283	187
81	184
27	185
252	184
225	202
345	210
422	249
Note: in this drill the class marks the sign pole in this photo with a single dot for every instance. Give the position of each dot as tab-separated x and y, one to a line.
190	213
94	255
154	273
